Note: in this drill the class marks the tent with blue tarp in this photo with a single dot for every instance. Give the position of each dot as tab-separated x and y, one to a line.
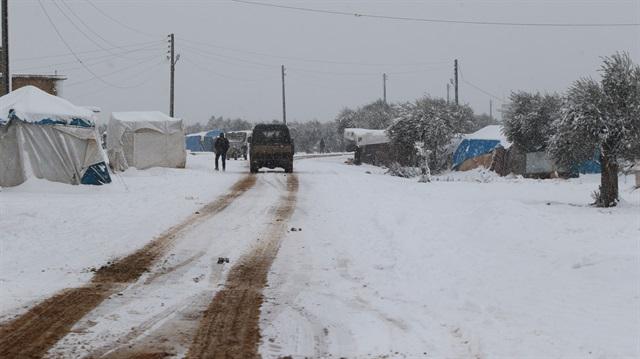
479	143
201	141
49	137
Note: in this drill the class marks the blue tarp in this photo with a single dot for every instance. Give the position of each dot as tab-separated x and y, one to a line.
201	142
590	166
96	174
470	148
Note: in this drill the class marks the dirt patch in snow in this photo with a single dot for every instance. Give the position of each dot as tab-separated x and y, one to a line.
230	325
31	334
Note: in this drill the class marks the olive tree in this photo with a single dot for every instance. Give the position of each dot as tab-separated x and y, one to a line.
602	116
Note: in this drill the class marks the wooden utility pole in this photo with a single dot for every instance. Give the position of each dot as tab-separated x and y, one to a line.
284	103
384	88
6	75
491	109
455	79
173	72
448	86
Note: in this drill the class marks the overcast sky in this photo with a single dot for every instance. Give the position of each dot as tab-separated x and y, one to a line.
231	53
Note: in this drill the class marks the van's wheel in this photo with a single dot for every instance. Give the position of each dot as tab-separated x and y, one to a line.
289	168
253	168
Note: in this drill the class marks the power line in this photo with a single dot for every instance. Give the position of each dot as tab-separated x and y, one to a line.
47	57
64	3
433	20
122	69
70	9
68	46
140	84
301	59
208	70
78	28
217	56
106	15
500	99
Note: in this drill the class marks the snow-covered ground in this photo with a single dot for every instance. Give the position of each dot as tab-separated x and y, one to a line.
468	266
52	234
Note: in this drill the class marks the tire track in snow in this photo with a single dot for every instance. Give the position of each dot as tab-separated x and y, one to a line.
31	334
230	325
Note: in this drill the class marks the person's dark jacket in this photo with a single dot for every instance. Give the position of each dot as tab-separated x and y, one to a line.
221	145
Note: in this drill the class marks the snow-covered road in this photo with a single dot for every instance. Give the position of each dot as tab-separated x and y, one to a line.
468	266
457	268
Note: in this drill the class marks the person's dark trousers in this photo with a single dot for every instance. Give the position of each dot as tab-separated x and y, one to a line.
224	160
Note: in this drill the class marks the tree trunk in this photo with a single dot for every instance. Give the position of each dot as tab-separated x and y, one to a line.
608	196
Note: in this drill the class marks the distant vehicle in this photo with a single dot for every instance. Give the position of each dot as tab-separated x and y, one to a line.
271	146
238	144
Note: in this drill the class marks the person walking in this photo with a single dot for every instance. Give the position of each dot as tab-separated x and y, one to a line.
221	147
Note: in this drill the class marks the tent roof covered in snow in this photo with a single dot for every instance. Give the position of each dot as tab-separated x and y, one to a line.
31	104
491	132
48	137
152	120
363	136
479	143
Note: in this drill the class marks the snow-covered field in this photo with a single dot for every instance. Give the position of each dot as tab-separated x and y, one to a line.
52	234
467	266
510	268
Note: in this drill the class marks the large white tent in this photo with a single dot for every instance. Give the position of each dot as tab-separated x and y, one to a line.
144	139
59	139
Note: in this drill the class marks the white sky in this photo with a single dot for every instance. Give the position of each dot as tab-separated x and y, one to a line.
417	56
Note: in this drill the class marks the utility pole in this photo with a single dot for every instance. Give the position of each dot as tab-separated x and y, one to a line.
491	109
6	76
448	86
455	79
384	88
284	103
173	72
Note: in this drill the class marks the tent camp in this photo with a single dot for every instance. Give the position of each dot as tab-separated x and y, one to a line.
364	137
48	137
372	146
201	141
144	139
479	143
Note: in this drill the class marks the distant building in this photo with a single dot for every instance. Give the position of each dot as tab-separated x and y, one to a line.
51	84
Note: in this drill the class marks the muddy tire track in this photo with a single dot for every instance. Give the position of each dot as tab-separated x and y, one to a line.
33	333
230	325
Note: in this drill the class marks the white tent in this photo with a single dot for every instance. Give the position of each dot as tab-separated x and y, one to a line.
144	139
363	136
58	138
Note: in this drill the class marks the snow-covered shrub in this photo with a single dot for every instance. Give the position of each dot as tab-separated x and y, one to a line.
431	121
396	169
601	116
528	117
